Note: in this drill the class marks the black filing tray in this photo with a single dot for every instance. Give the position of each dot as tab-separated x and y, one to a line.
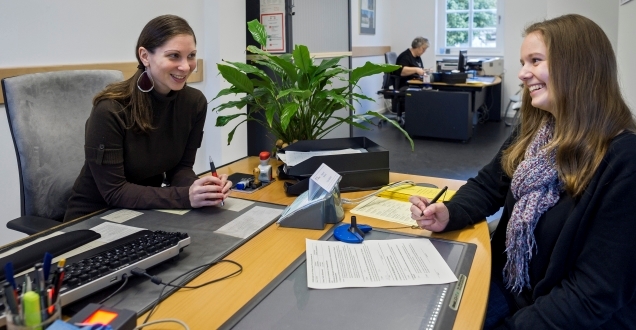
360	171
454	77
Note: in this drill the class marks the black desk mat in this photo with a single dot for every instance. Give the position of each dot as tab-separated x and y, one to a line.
287	302
206	246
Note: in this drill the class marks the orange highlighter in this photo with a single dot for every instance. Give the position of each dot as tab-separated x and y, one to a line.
213	172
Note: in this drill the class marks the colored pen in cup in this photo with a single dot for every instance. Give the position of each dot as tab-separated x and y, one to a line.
434	200
213	172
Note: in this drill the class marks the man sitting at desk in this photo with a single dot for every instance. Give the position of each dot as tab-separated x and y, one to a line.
411	62
411	67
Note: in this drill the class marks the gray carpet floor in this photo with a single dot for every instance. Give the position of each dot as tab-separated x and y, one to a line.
436	157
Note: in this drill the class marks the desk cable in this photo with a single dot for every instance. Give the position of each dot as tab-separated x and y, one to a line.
187	277
363	198
185	326
123	276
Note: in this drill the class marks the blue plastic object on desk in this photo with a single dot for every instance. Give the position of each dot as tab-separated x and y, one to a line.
351	233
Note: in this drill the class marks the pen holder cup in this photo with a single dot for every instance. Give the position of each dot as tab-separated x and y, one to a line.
19	322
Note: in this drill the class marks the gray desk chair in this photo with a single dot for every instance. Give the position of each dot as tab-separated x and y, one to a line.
391	91
47	113
515	105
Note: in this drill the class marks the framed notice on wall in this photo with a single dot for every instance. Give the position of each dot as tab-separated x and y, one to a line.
367	16
273	19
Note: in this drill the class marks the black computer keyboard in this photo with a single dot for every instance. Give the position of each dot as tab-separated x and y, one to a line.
103	266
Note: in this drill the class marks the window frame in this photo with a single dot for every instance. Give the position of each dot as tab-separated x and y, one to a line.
440	42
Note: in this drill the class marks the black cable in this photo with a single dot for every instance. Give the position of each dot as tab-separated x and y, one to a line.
189	276
125	277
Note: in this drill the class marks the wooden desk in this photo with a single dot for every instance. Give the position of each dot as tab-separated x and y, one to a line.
271	251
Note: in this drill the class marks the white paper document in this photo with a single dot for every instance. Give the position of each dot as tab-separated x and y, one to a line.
113	231
296	157
375	263
386	209
174	211
122	215
236	204
249	222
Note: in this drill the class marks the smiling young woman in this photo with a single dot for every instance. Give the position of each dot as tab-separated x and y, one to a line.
145	131
562	253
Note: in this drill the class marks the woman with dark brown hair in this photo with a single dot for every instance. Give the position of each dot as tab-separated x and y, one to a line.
563	252
144	132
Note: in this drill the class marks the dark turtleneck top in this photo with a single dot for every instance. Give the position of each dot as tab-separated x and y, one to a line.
125	169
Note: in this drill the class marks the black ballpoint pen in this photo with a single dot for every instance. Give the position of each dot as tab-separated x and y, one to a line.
434	200
213	172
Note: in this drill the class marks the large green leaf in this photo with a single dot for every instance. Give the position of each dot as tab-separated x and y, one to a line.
278	70
288	112
327	64
236	78
225	91
369	69
287	66
249	69
258	51
302	59
258	32
230	105
223	120
302	94
394	123
362	96
230	135
271	110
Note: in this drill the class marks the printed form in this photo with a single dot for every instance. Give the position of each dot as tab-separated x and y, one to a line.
375	263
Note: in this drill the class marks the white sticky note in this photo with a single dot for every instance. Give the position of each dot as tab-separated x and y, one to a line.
177	212
236	204
249	222
122	215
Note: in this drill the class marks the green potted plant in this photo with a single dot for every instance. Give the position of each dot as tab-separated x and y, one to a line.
300	100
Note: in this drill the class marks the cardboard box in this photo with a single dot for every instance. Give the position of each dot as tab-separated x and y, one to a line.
360	171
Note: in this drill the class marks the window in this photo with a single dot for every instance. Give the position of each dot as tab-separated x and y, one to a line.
469	24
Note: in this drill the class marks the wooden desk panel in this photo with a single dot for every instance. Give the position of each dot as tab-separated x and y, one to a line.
271	251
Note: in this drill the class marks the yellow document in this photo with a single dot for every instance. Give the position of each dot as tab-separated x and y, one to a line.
386	209
403	193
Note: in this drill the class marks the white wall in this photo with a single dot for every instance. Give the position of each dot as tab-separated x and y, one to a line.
382	37
519	15
625	52
62	32
397	24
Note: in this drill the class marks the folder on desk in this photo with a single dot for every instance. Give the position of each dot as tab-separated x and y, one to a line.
405	191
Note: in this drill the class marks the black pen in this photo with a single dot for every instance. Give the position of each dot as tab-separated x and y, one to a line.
434	200
213	172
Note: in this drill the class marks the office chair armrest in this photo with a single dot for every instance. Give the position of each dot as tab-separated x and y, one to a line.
31	224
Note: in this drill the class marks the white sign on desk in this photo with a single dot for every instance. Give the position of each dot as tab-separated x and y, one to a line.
324	178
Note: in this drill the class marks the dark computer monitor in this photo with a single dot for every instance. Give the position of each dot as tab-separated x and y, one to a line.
461	63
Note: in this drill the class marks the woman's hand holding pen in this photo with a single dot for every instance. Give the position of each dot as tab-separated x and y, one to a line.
209	191
429	216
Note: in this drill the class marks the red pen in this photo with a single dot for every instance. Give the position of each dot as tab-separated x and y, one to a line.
213	172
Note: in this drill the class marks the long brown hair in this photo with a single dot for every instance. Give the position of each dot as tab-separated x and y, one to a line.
135	103
587	102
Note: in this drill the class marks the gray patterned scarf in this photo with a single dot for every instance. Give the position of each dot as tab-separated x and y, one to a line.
536	187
